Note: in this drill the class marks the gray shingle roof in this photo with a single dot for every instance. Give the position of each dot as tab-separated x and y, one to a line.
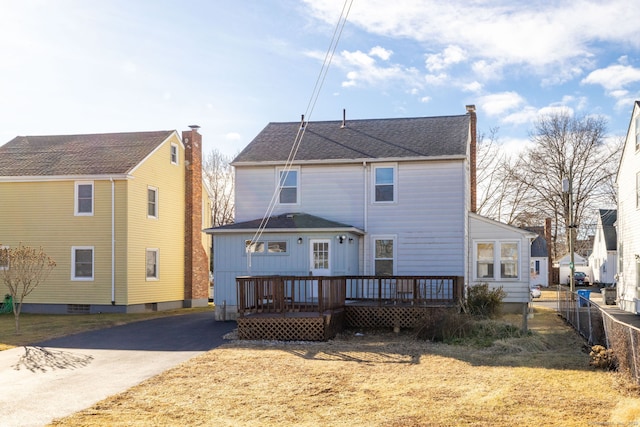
362	139
609	218
93	154
287	221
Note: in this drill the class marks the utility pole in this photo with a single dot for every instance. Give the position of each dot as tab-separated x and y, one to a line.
567	187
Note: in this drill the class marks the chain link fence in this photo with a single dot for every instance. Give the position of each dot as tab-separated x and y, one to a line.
599	327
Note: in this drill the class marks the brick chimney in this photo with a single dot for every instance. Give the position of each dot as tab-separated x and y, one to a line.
196	265
471	110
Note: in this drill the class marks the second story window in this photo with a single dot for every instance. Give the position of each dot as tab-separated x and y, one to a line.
174	154
152	202
384	183
288	185
84	199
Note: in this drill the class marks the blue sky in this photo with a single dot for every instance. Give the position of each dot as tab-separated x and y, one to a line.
89	66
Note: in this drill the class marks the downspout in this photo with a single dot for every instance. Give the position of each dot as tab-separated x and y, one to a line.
366	217
113	243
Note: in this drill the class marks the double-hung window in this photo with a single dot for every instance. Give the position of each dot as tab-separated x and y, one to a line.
384	255
174	154
152	202
384	182
84	198
504	254
152	264
288	186
82	262
4	257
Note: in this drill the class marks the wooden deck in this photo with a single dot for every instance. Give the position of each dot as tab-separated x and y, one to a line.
316	308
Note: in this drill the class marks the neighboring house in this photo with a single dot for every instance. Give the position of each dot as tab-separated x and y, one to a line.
628	220
580	264
120	213
365	197
603	260
539	271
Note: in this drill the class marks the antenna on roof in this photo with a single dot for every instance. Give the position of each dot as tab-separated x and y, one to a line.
344	119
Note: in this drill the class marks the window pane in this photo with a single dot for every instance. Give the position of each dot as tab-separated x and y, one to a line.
384	176
384	249
84	263
288	195
384	267
484	265
289	179
85	199
321	255
255	247
277	247
151	206
384	193
509	260
384	185
152	264
84	205
84	191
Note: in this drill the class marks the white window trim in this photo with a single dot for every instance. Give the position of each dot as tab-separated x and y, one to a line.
174	146
295	169
395	183
497	261
157	276
76	204
157	210
2	248
392	237
73	263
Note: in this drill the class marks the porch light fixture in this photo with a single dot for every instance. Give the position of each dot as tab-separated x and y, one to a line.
299	240
341	238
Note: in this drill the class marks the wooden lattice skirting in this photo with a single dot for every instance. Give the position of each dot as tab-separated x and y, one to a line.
383	317
313	328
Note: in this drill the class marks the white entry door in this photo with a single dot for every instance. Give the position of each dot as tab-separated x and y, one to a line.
320	257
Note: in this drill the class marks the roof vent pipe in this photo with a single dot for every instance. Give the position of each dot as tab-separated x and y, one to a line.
302	121
344	119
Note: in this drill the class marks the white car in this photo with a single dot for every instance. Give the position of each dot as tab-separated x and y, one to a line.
535	292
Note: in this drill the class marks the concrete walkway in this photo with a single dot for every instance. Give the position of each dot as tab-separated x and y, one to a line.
56	378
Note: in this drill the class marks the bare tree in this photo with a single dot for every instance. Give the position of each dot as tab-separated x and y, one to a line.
568	147
500	196
22	270
219	177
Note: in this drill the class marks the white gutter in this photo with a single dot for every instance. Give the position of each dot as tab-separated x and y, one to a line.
113	244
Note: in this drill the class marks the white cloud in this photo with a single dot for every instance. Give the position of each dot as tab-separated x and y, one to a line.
381	53
472	87
450	56
613	77
364	69
233	136
425	99
500	103
537	34
522	117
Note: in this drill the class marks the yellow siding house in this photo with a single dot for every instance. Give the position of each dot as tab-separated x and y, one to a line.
117	212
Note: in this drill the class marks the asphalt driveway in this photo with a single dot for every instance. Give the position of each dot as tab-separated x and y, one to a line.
58	377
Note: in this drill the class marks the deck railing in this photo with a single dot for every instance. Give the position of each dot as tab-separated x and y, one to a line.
319	294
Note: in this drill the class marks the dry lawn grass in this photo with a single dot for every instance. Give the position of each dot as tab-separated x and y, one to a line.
381	379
